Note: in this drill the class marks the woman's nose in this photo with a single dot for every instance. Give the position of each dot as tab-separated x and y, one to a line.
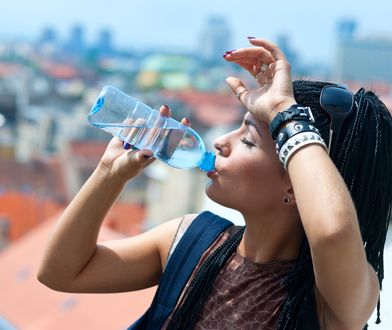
223	148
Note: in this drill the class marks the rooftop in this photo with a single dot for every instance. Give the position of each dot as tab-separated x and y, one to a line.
29	305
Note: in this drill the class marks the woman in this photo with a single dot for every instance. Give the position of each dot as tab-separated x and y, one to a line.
300	262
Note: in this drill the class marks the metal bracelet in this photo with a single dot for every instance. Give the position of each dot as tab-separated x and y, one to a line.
291	129
296	142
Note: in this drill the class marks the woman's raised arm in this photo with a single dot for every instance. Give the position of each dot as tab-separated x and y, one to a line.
74	262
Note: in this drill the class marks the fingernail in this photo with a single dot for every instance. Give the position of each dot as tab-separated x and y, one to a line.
251	37
166	106
147	157
187	120
224	56
127	146
230	51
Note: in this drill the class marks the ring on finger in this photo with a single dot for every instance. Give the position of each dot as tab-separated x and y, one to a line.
264	67
240	92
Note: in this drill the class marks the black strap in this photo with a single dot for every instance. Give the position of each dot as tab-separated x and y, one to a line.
202	232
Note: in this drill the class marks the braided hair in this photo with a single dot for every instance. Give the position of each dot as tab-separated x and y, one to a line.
363	156
191	304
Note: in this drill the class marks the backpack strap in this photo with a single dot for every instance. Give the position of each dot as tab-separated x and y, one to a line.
202	232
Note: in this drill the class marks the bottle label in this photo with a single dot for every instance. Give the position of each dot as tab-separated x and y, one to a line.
97	106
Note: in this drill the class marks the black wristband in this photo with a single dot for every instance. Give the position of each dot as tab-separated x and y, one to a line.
293	128
295	112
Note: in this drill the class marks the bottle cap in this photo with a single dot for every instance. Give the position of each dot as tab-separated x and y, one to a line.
207	163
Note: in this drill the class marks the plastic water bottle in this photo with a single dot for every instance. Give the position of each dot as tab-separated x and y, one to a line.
144	128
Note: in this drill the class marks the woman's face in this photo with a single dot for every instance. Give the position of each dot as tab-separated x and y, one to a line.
248	176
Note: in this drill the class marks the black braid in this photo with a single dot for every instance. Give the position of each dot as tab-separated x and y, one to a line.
300	288
190	306
363	156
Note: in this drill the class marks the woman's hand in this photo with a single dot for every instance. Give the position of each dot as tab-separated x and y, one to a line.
124	163
269	66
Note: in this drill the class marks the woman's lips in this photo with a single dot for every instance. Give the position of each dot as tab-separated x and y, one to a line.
212	174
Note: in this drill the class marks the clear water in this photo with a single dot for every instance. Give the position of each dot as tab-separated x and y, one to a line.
179	147
144	128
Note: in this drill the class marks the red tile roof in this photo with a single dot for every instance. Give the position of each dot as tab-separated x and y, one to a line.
210	108
9	69
23	212
87	153
59	70
43	177
29	305
127	219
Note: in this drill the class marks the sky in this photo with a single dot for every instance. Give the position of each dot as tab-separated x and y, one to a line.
310	25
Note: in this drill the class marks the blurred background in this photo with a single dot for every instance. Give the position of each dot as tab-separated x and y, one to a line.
55	56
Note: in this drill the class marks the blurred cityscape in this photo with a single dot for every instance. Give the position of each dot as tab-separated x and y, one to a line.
48	149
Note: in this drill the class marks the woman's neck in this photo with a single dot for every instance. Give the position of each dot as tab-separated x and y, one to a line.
271	238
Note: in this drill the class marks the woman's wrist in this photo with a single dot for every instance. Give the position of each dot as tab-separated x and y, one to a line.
105	173
280	107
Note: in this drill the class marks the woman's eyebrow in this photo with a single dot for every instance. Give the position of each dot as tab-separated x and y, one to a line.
248	123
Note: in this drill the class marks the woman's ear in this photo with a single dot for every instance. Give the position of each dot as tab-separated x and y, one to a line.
289	198
288	194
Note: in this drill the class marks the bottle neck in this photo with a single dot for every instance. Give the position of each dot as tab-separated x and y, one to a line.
207	162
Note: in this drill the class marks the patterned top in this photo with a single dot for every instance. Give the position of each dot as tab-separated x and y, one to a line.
245	295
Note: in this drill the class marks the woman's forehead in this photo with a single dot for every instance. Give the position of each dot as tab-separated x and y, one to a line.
248	117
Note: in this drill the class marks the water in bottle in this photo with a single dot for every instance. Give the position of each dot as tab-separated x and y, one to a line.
144	128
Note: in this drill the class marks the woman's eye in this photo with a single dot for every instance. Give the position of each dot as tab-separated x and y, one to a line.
247	143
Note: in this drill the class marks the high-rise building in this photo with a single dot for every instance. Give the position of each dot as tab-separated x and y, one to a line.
363	59
105	42
215	39
76	43
48	36
283	41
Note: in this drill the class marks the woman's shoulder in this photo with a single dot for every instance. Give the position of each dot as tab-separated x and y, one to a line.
183	225
200	222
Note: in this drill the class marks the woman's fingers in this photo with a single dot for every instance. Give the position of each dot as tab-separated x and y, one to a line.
137	160
165	111
238	88
253	60
272	48
255	53
185	121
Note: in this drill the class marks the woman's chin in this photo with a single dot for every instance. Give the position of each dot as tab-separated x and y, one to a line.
217	196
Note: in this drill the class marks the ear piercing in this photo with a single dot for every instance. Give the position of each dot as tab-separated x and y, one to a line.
287	200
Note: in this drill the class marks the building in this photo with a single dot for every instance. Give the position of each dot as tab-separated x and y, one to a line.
105	43
362	58
215	39
76	43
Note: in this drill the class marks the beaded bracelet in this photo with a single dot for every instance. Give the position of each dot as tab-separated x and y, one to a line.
296	142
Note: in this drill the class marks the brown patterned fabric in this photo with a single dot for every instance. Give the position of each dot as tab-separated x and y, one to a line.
245	295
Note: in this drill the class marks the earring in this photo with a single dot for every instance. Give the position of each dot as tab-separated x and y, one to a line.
286	200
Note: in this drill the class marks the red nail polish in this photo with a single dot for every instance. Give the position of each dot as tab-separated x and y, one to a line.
187	120
147	157
166	106
230	51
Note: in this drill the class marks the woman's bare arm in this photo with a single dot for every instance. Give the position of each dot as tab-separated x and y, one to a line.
74	262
